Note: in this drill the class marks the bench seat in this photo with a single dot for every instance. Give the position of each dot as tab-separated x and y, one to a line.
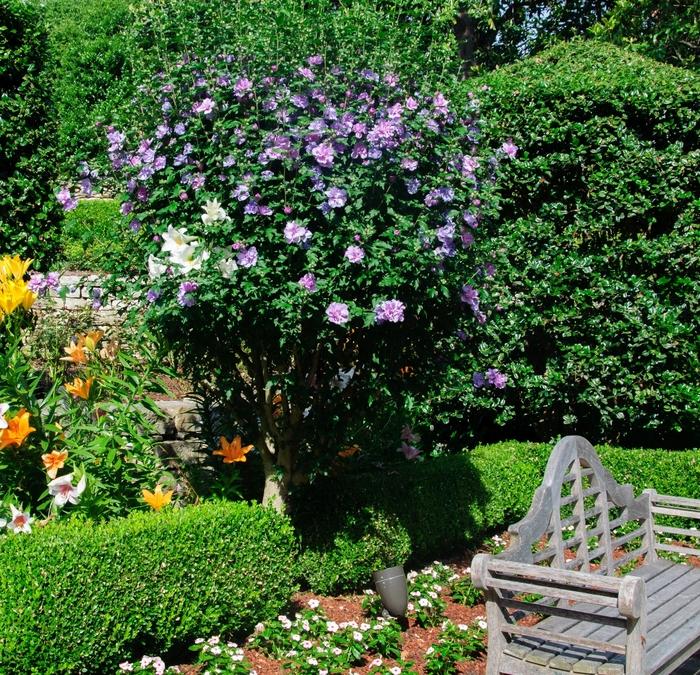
673	601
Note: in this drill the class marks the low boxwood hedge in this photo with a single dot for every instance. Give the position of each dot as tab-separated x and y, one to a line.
416	511
80	597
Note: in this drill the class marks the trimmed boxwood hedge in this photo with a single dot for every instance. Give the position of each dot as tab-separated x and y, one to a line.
82	597
353	525
595	303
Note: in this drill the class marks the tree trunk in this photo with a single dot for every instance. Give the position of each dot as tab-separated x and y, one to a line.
278	473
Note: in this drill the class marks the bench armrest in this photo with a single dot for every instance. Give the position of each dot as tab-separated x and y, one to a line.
626	593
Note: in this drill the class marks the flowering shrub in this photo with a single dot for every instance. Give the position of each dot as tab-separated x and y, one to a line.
307	235
77	440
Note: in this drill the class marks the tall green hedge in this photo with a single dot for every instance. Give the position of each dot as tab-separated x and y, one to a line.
596	298
80	598
353	525
28	210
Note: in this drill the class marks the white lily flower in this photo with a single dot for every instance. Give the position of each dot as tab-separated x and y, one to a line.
175	239
186	259
21	520
62	489
213	212
227	266
155	267
4	407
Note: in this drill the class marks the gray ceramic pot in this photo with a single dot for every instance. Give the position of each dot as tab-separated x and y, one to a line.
392	587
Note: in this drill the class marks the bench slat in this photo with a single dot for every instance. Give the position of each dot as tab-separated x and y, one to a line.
683	550
683	513
532	631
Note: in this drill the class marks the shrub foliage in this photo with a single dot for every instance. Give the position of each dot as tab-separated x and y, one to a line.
83	597
28	213
415	512
596	251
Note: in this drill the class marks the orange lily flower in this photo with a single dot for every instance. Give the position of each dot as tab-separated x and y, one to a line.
158	499
76	352
53	461
349	452
80	389
232	451
17	430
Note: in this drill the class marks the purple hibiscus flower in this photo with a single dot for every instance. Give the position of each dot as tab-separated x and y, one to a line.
185	294
337	197
295	233
510	149
391	311
354	254
496	378
247	257
338	313
324	154
308	282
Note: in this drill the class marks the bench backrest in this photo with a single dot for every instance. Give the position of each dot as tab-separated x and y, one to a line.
581	518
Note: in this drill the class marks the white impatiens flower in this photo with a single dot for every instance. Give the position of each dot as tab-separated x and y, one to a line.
4	407
313	603
21	521
227	266
482	624
62	489
213	212
155	267
3	522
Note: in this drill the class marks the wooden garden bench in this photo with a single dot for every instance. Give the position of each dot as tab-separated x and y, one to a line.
564	562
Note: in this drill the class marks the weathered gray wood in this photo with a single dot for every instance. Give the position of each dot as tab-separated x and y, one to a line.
683	550
681	501
645	622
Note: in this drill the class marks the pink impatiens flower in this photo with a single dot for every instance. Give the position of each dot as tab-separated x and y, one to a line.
354	254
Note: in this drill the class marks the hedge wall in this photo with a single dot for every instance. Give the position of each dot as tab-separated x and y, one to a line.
595	303
353	525
29	214
82	597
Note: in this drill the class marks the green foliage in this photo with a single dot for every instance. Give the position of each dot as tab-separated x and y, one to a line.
94	236
411	37
367	540
93	595
667	30
450	502
595	299
28	211
89	50
456	643
465	593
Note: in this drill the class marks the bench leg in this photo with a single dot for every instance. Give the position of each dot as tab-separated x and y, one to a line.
497	641
636	645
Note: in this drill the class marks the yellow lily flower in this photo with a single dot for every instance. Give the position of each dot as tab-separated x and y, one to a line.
232	451
158	499
13	267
